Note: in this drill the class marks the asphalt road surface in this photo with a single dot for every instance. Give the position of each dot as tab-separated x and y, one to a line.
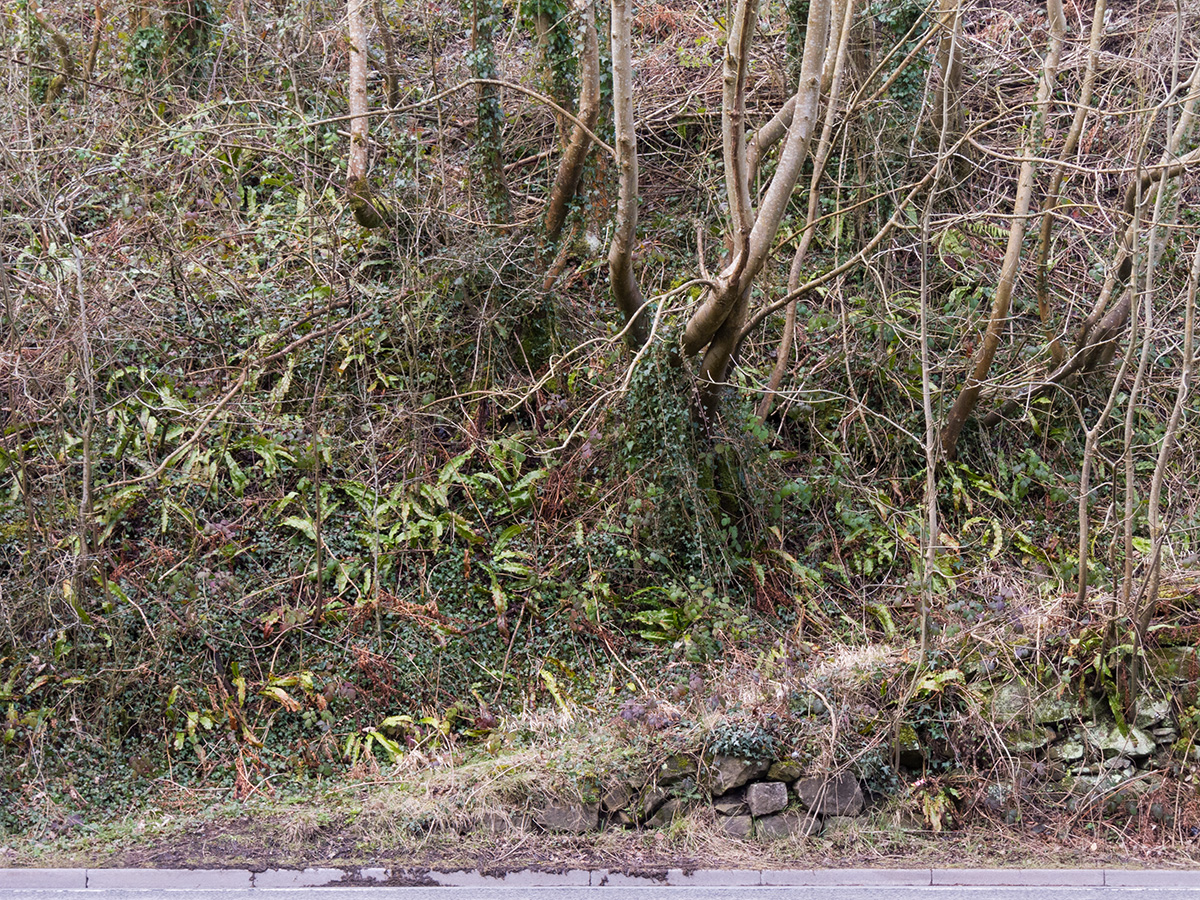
581	884
666	892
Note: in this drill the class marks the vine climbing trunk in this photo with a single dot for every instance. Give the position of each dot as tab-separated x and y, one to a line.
489	125
570	168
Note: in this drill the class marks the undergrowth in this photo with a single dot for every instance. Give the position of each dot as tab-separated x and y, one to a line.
287	504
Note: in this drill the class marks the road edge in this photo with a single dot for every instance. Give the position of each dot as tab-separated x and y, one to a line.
269	879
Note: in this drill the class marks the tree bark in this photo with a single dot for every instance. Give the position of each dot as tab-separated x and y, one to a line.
718	322
570	168
968	398
625	290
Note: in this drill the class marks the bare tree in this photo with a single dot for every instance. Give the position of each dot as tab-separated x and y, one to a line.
715	328
570	168
968	397
625	290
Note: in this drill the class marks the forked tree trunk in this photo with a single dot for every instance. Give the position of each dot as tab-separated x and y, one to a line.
716	326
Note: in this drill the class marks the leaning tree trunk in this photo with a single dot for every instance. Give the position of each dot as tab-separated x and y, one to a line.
570	169
716	326
968	398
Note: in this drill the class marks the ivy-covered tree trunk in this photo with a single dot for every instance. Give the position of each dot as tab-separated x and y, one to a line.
570	170
553	23
489	127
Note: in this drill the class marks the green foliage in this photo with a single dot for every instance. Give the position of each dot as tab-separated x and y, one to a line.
743	740
146	54
553	23
893	19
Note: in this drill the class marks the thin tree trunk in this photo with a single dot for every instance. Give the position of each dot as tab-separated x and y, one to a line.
968	398
719	321
773	131
1056	179
369	210
84	561
932	443
362	203
1091	438
1142	606
625	290
89	66
733	128
570	168
1170	438
861	254
1094	341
